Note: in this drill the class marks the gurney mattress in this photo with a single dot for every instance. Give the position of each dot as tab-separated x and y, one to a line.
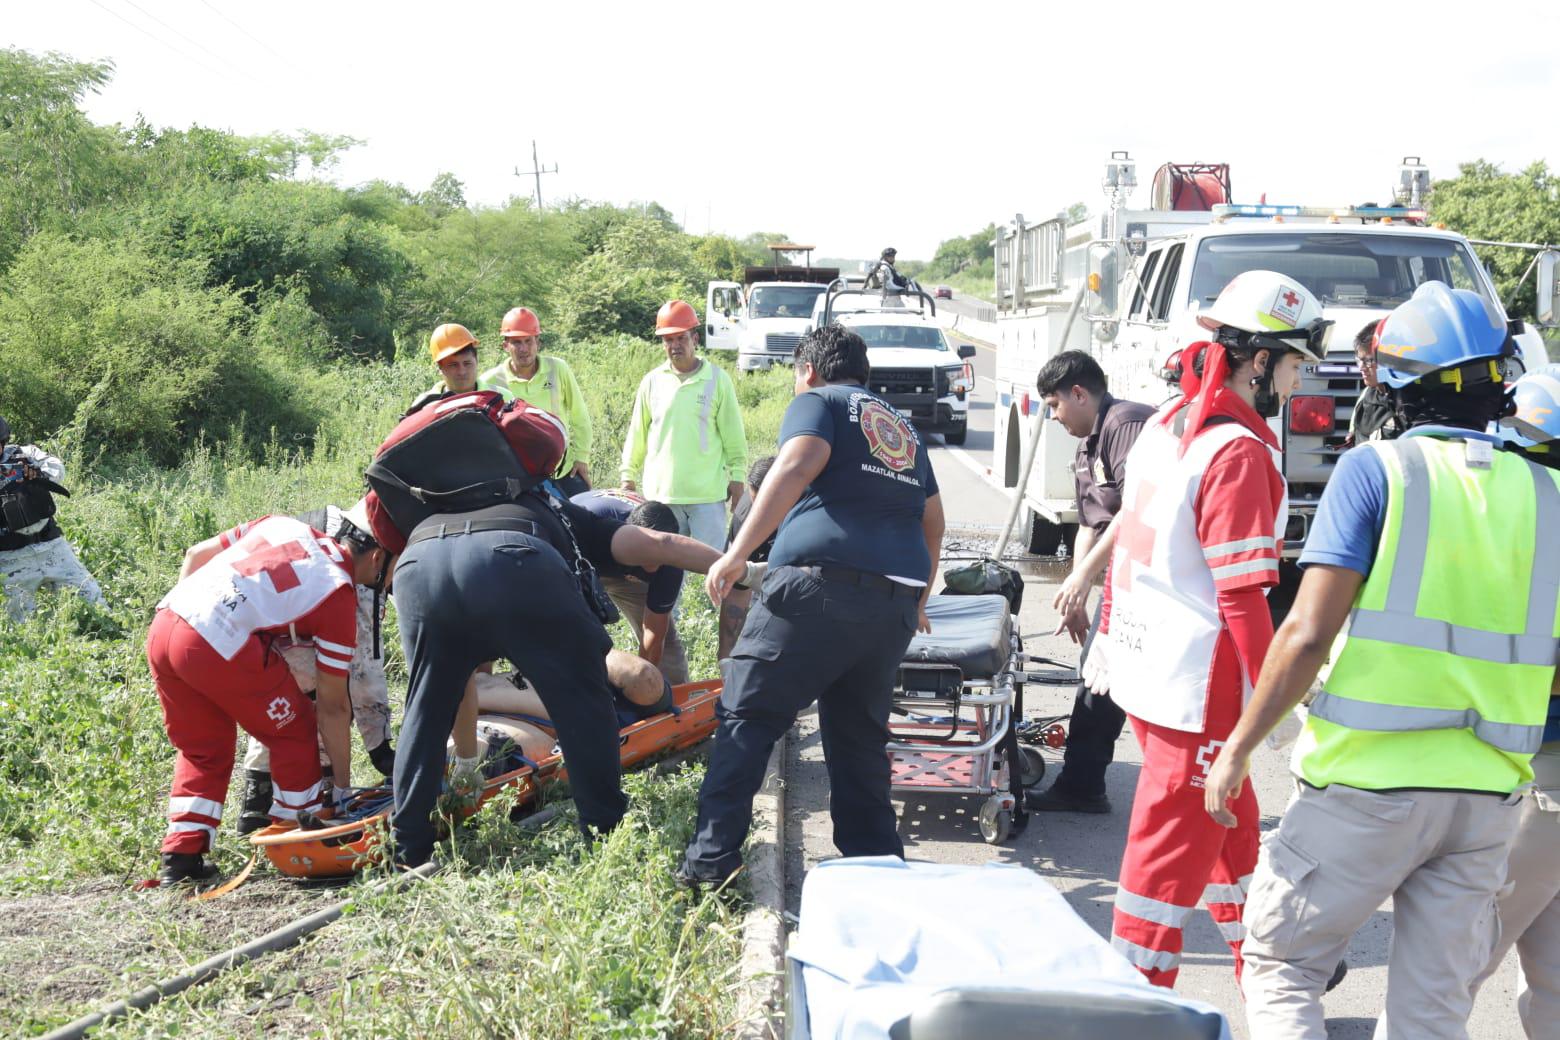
971	632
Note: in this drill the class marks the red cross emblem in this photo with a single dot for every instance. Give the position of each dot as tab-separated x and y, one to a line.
1290	298
275	561
1136	540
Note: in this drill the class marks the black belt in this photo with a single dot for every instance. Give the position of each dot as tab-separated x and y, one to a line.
450	530
848	576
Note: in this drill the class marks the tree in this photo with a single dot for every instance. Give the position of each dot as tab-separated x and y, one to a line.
1484	202
445	195
52	158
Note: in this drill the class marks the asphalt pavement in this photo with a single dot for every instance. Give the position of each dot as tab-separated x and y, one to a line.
1081	854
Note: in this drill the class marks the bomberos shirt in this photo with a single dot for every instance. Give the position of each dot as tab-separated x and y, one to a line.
864	510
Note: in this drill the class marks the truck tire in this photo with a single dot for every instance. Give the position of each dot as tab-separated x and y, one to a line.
1045	537
956	435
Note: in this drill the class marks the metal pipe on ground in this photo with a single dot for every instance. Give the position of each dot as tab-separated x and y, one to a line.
1028	462
206	970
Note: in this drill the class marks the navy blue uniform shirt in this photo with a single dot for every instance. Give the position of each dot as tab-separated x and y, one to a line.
864	510
662	586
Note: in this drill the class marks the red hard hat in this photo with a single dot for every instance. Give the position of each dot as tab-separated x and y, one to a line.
521	322
674	317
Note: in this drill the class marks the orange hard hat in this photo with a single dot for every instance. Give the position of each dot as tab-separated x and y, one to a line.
674	317
448	340
521	322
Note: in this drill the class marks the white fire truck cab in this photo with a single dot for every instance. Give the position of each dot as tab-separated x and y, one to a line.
1145	274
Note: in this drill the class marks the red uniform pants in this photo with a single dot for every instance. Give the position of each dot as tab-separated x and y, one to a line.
1176	853
203	697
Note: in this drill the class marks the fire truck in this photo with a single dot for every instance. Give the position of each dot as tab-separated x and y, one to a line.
1126	287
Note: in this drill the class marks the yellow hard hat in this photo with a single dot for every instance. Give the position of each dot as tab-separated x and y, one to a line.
448	340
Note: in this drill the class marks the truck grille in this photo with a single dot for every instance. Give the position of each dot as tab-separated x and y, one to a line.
911	382
781	342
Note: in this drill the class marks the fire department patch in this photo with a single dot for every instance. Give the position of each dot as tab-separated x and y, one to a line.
888	435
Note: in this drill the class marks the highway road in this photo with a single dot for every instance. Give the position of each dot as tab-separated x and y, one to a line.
1080	854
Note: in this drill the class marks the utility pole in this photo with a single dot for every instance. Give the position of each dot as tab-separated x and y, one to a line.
537	169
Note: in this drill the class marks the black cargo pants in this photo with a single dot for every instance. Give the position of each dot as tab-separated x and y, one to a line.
469	598
807	639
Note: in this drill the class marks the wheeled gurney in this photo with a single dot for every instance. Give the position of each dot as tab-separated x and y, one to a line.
350	839
959	694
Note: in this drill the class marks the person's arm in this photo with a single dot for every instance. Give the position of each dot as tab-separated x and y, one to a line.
655	628
581	432
636	439
933	524
43	463
464	730
733	439
196	555
1076	622
333	715
800	461
1297	653
1073	596
635	546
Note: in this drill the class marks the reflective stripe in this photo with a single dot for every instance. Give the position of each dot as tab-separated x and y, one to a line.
1213	552
550	367
1430	634
332	662
1154	910
1233	931
1398	718
199	806
295	799
1235	894
335	648
1230	570
1400	624
1142	957
185	826
706	402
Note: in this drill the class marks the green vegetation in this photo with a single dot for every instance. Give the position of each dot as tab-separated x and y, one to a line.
1485	202
965	263
206	338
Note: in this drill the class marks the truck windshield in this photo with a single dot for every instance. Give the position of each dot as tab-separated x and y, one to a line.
916	336
783	301
1341	269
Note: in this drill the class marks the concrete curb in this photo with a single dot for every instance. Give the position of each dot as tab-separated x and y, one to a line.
761	995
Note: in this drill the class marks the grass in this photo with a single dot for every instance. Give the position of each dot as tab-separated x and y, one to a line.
526	935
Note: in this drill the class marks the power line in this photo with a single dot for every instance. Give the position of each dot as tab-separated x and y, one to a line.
157	39
195	42
276	53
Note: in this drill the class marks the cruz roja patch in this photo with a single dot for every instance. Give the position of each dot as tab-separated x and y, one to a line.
888	435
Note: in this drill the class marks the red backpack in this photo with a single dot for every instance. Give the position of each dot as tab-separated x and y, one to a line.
452	456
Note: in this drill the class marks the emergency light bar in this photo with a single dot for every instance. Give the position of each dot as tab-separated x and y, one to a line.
1226	210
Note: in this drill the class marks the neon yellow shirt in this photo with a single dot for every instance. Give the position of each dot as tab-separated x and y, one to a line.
685	435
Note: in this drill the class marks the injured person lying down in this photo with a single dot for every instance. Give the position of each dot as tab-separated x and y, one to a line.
510	710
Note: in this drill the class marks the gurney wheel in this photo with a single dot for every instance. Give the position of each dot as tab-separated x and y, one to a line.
1031	767
995	823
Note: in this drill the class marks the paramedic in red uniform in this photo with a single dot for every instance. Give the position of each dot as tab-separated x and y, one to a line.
211	656
1198	541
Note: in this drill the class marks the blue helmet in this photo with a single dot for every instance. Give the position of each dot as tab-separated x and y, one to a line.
1438	329
1537	420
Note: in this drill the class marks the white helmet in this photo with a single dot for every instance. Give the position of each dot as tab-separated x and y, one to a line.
1270	305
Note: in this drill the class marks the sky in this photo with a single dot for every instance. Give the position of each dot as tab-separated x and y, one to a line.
851	127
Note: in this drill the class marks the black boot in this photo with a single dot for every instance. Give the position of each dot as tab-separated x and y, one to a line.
256	811
178	867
